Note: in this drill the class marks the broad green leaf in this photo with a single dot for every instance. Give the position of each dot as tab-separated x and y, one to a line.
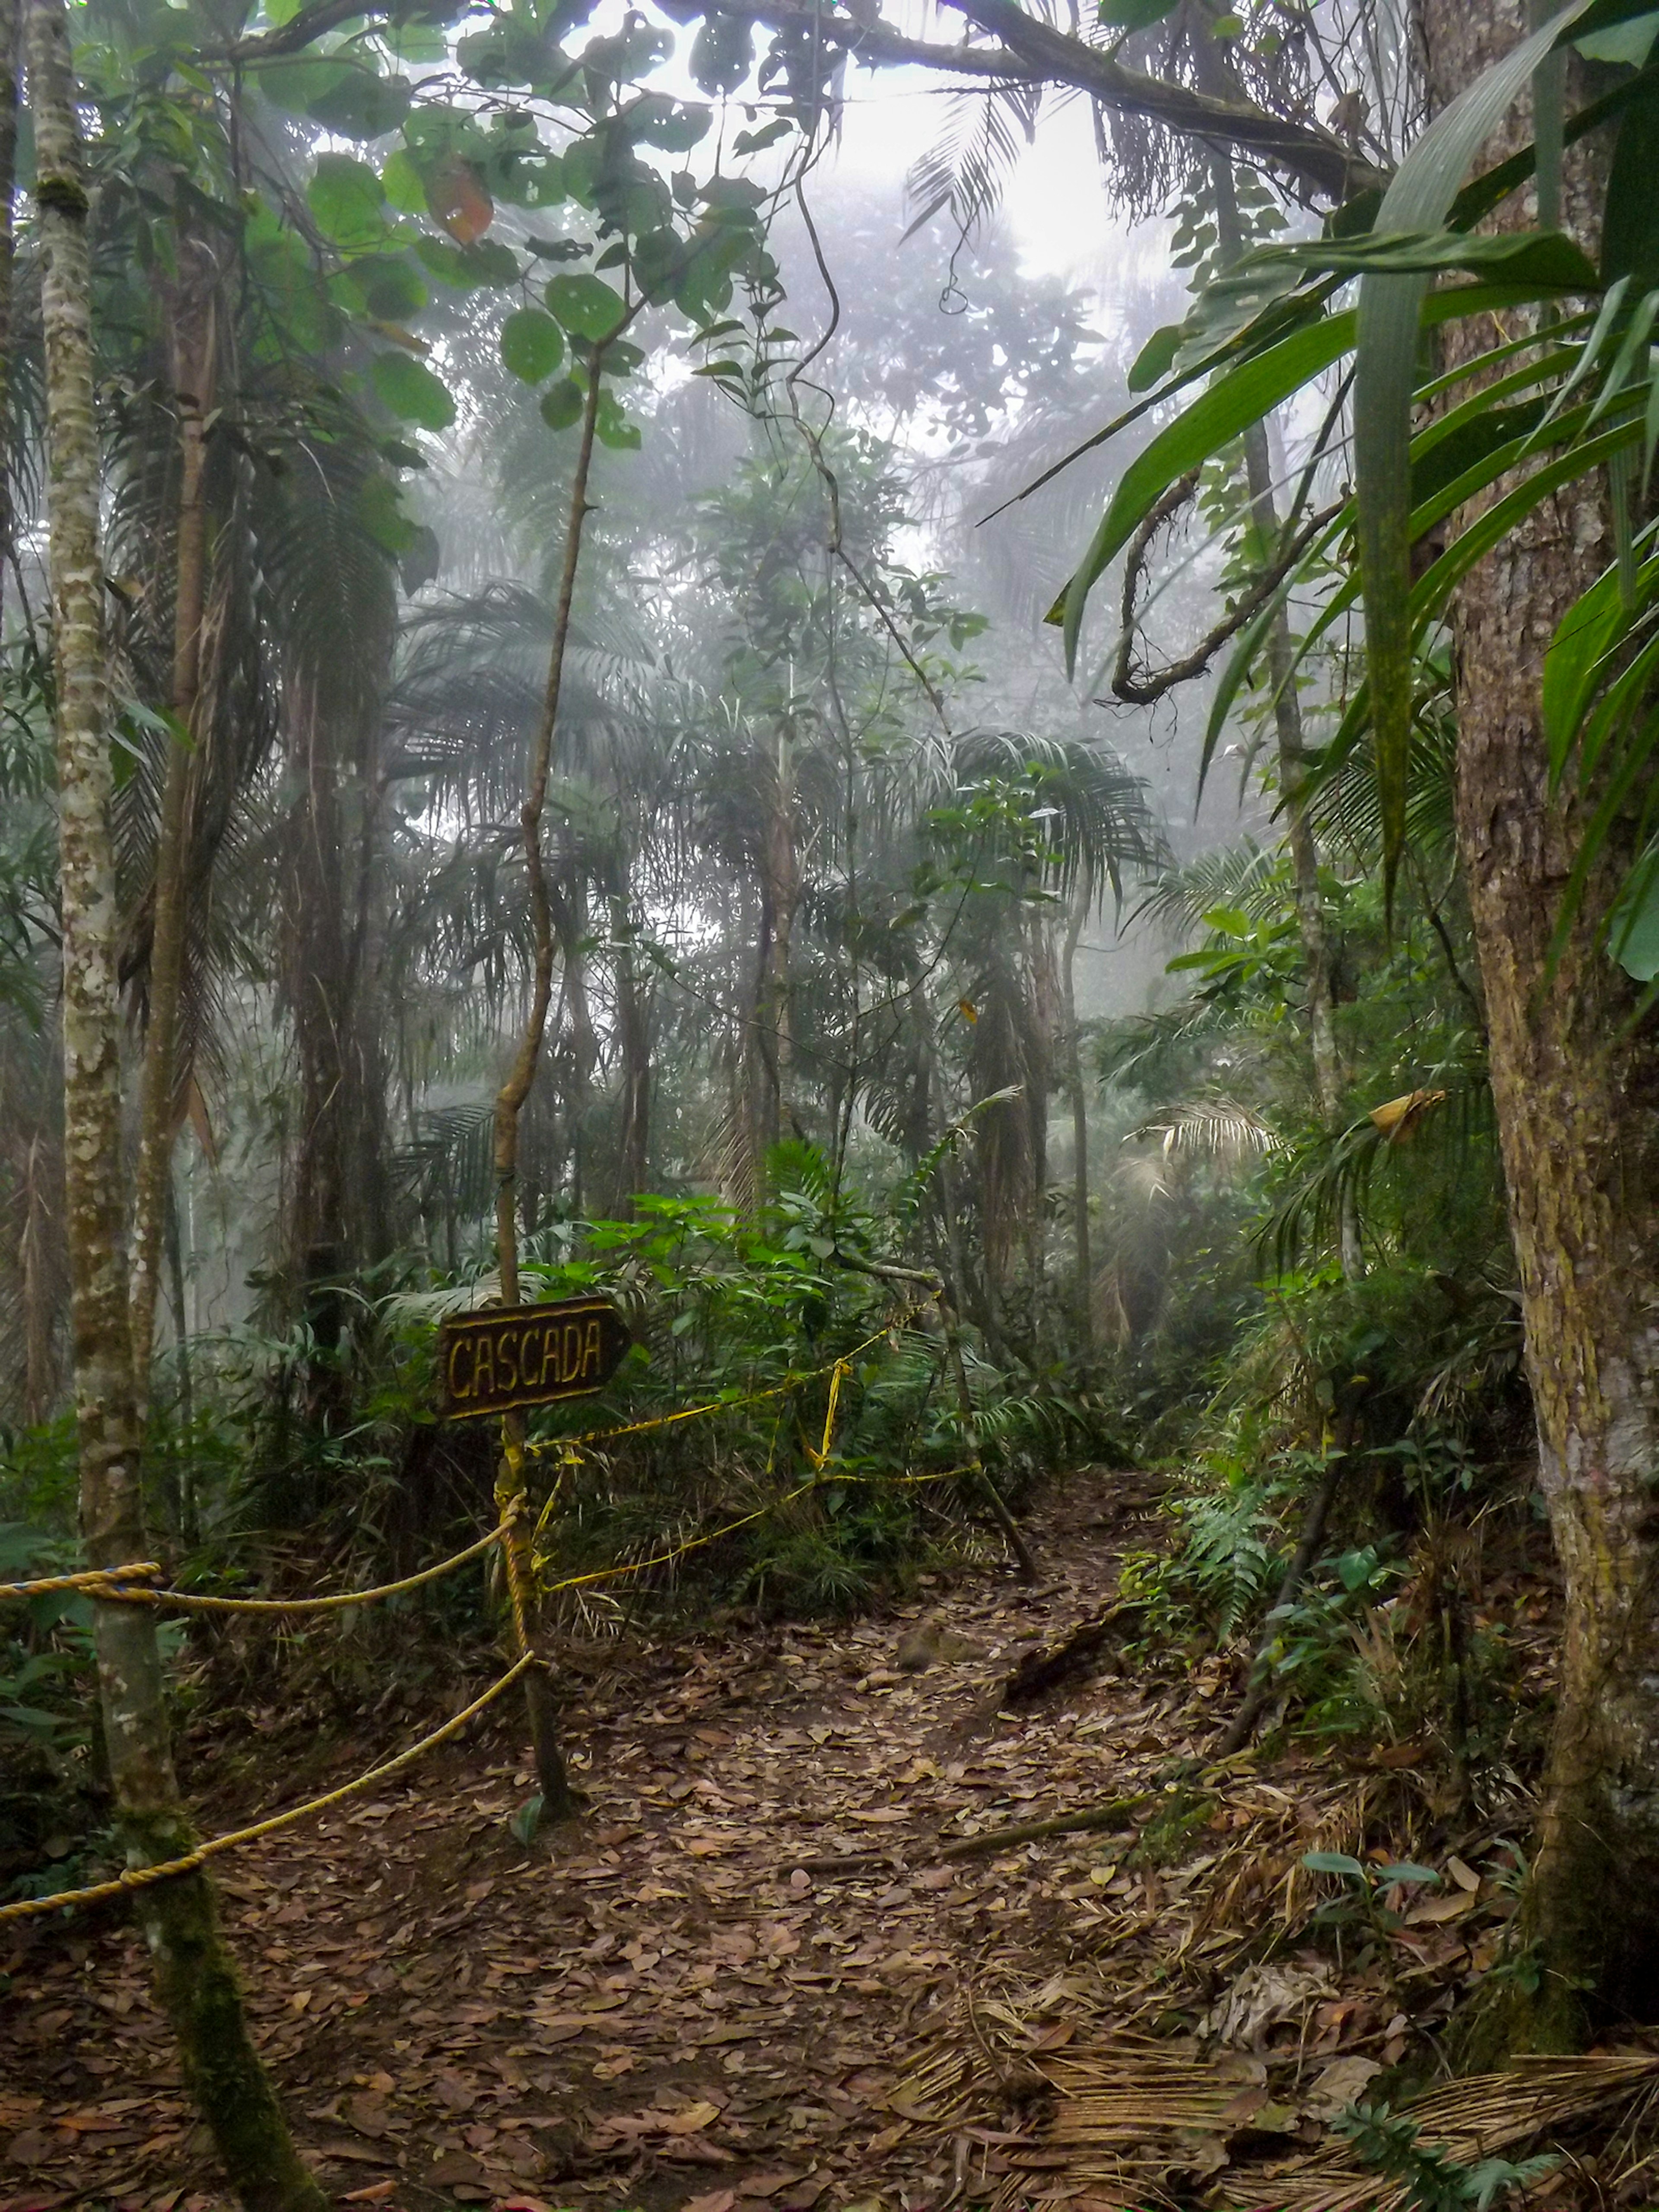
611	426
387	286
343	196
562	403
468	268
400	181
362	104
586	306
1334	1862
1156	358
1627	46
1629	221
1548	260
1135	15
1236	398
676	125
533	344
1406	1870
412	392
1633	924
722	53
1389	322
1601	15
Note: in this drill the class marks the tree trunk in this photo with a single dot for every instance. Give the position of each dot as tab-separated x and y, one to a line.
1287	706
1574	1089
634	1047
1083	1290
337	1214
191	309
10	60
195	1976
559	1801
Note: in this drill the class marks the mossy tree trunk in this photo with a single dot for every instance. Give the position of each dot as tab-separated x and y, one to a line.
196	1976
1575	1088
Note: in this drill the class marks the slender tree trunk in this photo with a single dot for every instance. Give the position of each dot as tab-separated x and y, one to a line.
1287	711
196	1978
634	1046
559	1801
190	306
1083	1290
1575	1087
11	57
37	1391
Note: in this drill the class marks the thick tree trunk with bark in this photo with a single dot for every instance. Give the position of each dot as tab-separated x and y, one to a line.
1576	1093
195	1975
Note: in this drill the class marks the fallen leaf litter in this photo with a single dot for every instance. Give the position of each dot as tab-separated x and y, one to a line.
678	2012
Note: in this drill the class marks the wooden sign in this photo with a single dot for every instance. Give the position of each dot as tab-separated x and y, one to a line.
508	1356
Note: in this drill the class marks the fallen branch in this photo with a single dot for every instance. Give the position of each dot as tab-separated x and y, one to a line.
1041	1671
1115	1815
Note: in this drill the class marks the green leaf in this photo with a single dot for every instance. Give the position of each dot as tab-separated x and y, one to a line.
586	306
1390	323
1548	260
400	181
676	125
722	53
1334	1862
1581	636
526	1821
1156	358
470	268
343	196
562	403
533	344
1633	923
1135	15
1406	1870
412	392
1237	398
611	426
362	104
1629	221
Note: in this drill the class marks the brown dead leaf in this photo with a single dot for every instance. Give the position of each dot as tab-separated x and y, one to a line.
459	201
1435	1910
689	2121
768	2184
375	2193
717	2200
450	2090
358	2152
30	2148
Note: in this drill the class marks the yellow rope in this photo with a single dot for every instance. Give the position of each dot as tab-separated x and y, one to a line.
105	1584
95	1582
821	1453
835	1369
696	1543
142	1877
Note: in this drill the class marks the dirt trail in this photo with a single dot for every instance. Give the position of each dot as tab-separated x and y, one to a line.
672	2011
